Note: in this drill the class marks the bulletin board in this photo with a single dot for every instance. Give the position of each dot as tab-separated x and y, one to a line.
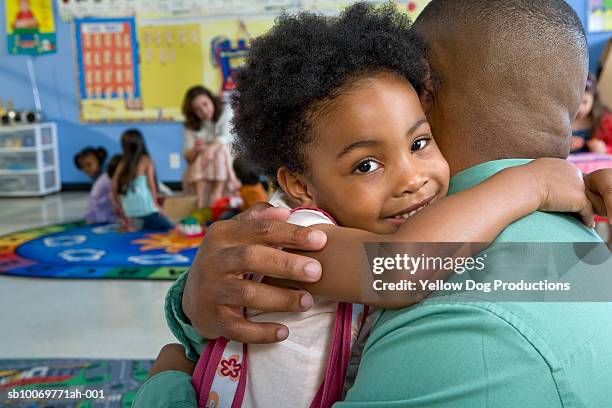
30	27
167	46
171	61
599	15
108	72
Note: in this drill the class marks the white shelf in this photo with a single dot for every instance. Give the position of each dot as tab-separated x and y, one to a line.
38	178
31	126
20	149
7	172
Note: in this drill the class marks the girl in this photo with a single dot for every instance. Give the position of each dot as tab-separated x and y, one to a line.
134	190
602	141
592	129
345	137
99	206
90	161
207	146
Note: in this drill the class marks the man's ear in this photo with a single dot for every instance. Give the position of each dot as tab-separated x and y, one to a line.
427	93
295	186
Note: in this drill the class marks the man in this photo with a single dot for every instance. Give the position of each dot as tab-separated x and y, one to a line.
511	74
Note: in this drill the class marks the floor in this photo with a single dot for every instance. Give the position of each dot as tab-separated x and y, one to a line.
75	318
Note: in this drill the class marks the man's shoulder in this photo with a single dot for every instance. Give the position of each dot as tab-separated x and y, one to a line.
548	227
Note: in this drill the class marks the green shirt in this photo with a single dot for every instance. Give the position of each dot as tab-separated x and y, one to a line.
443	353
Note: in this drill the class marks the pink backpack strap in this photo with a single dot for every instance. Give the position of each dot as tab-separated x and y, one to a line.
220	374
348	318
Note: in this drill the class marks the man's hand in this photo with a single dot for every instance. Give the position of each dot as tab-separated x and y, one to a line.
216	293
599	191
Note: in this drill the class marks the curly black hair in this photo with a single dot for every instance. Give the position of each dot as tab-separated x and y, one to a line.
307	60
99	153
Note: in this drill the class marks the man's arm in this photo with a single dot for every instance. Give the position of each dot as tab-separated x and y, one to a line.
444	355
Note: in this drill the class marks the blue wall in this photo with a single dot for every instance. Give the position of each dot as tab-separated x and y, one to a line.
56	79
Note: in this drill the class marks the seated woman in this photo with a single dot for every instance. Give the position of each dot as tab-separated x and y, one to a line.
207	141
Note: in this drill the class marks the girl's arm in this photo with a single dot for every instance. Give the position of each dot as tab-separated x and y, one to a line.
151	181
478	214
191	150
115	187
114	193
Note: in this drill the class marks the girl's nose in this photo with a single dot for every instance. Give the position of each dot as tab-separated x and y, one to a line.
410	179
412	184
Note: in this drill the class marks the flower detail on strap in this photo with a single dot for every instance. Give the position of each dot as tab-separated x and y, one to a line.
230	368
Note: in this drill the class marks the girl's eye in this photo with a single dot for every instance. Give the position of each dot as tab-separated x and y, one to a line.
367	166
419	144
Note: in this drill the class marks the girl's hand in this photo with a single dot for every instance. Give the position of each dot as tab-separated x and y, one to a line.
210	152
577	143
199	145
561	188
599	191
597	146
172	358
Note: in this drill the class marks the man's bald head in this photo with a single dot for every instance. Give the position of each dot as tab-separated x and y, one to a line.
511	76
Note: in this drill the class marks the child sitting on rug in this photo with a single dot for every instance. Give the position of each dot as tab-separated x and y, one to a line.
90	161
134	190
99	205
344	135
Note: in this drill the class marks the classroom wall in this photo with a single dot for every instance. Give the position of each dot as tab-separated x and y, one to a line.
55	75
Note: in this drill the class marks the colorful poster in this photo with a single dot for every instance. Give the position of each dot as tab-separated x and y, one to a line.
30	27
226	44
599	15
107	60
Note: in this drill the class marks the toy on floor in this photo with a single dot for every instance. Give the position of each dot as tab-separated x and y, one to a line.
203	215
189	227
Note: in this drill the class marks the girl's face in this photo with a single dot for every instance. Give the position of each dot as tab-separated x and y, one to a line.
203	107
90	165
373	162
586	104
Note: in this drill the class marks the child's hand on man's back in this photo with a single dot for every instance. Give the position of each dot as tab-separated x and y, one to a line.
561	188
599	191
172	358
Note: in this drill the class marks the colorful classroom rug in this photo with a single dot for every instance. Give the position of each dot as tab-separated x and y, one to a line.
71	383
78	250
